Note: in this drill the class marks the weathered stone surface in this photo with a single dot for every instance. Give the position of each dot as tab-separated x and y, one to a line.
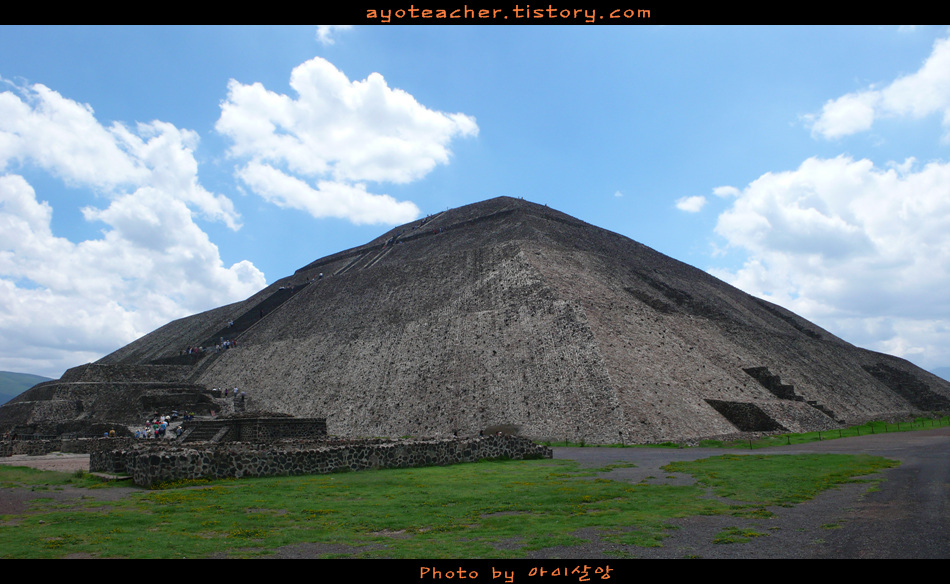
151	463
507	313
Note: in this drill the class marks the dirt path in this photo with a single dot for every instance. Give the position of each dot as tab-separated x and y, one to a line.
908	517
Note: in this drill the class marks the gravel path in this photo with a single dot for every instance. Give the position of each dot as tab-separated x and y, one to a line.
908	517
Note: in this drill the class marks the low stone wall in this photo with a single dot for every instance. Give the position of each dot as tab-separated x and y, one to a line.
29	447
150	464
71	445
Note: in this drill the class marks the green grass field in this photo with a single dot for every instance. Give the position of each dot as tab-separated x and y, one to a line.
480	510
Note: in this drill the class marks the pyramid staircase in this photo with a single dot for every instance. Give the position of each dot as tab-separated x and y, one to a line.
254	314
347	267
201	361
773	383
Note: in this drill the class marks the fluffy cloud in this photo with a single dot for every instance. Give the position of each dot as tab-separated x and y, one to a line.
691	204
62	137
325	32
329	199
919	94
862	250
338	134
64	303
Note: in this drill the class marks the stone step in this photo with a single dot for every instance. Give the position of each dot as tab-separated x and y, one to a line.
380	256
774	384
254	315
346	268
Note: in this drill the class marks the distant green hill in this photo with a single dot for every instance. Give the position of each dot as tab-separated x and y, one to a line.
13	384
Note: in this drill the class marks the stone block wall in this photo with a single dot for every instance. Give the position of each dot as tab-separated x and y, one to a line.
281	428
97	373
258	429
151	464
71	445
29	447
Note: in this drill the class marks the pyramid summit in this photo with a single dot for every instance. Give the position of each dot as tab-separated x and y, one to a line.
499	313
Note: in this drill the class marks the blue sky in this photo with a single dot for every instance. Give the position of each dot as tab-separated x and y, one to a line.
148	173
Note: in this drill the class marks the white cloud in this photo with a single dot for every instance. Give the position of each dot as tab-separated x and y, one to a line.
840	241
168	154
925	92
62	137
691	204
325	32
847	115
64	303
337	132
329	199
726	191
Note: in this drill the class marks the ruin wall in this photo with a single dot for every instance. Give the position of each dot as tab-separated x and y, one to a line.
66	445
150	464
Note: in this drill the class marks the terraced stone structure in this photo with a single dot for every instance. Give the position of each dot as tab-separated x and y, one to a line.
253	428
90	400
510	313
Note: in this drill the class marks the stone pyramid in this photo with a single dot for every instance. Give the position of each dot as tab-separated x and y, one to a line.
506	313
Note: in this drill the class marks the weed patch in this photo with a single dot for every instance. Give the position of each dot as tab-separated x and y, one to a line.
736	535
